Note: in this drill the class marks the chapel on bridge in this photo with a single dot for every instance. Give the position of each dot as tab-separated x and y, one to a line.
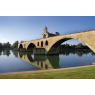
46	34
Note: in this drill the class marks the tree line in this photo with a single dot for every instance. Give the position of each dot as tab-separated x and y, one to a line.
8	45
5	45
78	46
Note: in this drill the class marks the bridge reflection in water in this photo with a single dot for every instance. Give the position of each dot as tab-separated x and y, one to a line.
41	61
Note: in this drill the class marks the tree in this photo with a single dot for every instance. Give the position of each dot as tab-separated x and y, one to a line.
8	45
67	46
15	44
79	46
0	45
73	46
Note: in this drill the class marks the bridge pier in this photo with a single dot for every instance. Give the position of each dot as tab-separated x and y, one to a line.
54	50
38	51
22	49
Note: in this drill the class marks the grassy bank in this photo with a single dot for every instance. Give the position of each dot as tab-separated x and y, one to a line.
78	73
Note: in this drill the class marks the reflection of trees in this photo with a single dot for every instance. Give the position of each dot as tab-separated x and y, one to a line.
15	53
6	52
0	52
92	53
3	52
78	52
67	53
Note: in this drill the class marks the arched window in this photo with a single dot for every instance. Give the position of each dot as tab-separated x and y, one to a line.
42	44
38	43
46	43
44	36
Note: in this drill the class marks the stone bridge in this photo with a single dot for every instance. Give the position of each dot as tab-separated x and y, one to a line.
50	45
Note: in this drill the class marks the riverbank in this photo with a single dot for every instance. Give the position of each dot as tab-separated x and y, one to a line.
75	50
81	72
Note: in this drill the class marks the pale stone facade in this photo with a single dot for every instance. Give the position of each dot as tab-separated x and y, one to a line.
46	34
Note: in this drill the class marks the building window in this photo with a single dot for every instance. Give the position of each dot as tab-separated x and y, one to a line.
44	36
42	44
46	43
38	43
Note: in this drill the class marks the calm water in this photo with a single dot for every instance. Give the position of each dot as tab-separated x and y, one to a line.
11	61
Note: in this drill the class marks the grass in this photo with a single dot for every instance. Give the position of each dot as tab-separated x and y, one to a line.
79	73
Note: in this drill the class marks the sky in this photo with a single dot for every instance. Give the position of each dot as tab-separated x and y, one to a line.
27	28
75	15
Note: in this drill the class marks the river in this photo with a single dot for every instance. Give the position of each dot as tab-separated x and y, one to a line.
14	61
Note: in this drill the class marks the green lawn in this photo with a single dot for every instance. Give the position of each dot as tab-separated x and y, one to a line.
79	73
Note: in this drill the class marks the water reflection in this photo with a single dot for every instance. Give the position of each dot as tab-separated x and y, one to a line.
40	61
52	61
6	52
15	53
0	52
12	63
78	52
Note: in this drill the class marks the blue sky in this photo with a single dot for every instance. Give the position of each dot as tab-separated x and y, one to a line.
28	28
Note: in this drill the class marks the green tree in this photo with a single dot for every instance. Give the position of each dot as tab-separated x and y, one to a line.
67	46
8	45
4	44
79	46
15	44
73	46
0	45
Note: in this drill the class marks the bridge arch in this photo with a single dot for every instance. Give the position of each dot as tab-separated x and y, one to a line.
30	47
20	46
56	44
